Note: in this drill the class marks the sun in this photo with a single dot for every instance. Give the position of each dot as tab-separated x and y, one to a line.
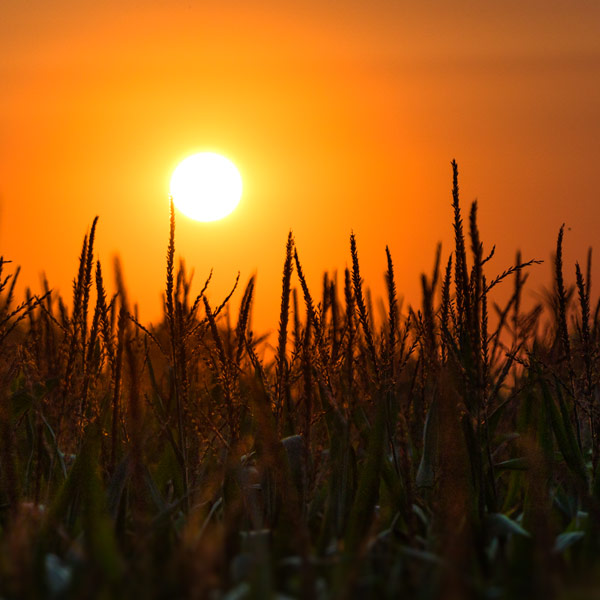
206	186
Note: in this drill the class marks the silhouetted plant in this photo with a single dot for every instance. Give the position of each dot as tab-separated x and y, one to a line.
445	450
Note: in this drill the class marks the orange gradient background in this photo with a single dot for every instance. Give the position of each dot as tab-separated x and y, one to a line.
340	117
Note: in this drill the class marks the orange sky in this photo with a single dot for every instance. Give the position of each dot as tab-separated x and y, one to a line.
339	116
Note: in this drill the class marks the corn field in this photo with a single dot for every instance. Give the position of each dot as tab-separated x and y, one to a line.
449	450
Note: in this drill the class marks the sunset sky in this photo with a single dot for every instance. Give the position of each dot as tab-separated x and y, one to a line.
340	116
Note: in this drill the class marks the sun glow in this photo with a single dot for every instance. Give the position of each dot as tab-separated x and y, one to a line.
206	186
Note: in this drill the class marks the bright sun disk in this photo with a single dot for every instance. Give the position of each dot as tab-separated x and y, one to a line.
206	186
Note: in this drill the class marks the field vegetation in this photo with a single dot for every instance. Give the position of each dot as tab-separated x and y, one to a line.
445	451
